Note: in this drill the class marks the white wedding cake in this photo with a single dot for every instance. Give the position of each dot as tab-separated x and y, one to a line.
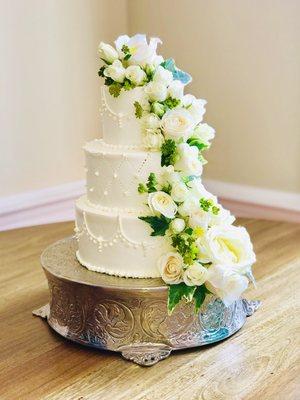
146	213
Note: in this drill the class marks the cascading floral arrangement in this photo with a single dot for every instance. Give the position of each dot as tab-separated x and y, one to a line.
209	254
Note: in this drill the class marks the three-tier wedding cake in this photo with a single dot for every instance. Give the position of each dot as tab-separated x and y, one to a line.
146	213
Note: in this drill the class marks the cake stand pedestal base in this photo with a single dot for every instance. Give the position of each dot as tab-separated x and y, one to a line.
129	315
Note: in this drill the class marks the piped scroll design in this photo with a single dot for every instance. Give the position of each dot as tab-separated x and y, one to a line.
119	117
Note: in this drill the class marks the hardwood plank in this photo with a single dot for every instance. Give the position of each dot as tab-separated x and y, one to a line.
260	362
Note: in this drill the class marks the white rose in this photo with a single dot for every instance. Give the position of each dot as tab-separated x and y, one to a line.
153	139
177	225
226	284
179	192
161	202
205	133
190	205
116	71
200	218
163	76
150	121
177	123
195	275
231	245
141	52
188	162
196	107
107	52
175	90
135	74
156	91
171	268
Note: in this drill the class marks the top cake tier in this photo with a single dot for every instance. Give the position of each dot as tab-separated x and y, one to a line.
119	124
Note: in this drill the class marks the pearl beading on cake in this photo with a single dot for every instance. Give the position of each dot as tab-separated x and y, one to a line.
120	117
119	236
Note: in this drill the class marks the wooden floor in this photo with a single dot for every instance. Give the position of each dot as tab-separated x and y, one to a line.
260	362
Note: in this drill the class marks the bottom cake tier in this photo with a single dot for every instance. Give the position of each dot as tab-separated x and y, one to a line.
116	243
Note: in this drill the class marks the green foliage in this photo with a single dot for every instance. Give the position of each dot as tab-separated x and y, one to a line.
108	81
208	205
199	296
167	188
194	141
138	109
171	103
185	244
115	89
142	188
159	225
101	71
151	183
168	152
126	51
177	293
128	85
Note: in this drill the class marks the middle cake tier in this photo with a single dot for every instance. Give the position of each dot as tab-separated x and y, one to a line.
113	173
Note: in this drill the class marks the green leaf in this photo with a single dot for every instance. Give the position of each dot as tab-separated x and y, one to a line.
108	81
205	204
177	73
128	85
159	225
193	141
115	89
142	188
199	296
185	244
101	71
168	152
178	292
151	183
138	109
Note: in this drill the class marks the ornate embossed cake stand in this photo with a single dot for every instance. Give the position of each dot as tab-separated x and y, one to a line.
129	315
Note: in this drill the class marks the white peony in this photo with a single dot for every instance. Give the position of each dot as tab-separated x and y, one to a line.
179	192
175	90
116	71
107	52
205	133
231	245
135	74
152	140
195	275
177	225
163	76
196	107
178	123
162	203
156	91
170	266
141	52
226	284
188	162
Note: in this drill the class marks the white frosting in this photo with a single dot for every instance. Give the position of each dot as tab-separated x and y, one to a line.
119	124
114	172
117	243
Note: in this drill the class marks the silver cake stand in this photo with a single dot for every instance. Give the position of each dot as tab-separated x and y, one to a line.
129	315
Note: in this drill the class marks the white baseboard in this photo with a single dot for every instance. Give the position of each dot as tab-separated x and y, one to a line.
56	204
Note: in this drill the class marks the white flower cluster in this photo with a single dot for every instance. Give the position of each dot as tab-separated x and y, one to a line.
223	252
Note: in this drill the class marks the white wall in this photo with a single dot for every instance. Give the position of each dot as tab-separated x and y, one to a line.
49	87
244	56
